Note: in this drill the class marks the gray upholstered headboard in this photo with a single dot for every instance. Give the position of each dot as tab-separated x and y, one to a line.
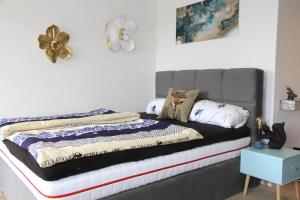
242	87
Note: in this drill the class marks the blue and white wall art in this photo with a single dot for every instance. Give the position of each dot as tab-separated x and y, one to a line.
207	20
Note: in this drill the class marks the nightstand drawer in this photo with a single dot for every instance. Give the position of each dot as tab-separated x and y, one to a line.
291	169
261	166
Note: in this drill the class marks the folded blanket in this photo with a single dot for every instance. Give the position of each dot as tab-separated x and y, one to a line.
59	140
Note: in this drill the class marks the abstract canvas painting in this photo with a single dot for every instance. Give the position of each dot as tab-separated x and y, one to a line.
207	20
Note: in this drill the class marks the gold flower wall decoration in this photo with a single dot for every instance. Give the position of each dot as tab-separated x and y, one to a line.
54	42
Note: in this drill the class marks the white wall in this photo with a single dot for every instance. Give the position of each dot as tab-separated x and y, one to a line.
254	47
288	66
93	77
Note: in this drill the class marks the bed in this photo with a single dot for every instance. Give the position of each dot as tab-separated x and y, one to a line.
202	172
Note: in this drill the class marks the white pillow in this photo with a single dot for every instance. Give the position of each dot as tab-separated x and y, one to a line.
219	114
155	106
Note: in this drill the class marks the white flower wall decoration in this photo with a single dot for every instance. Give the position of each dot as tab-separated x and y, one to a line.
119	34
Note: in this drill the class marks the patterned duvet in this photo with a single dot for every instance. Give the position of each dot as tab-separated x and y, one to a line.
56	139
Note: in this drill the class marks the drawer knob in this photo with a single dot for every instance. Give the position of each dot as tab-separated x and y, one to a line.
294	168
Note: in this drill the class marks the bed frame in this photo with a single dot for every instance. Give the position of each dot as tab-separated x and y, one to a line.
243	87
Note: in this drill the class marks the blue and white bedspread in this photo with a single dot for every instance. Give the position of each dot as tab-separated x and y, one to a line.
55	139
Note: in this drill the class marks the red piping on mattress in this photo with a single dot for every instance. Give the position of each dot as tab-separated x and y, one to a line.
118	180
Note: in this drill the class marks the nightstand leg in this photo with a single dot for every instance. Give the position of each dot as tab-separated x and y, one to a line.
297	190
246	184
278	192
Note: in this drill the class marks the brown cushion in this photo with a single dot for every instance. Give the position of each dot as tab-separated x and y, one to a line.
178	104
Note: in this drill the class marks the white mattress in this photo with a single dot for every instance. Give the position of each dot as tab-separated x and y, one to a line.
111	180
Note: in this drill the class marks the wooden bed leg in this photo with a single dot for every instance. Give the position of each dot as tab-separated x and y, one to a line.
246	185
277	192
297	190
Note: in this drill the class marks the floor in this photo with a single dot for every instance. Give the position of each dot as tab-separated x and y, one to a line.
267	193
260	193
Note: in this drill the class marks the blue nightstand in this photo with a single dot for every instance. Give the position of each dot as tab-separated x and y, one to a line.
276	166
